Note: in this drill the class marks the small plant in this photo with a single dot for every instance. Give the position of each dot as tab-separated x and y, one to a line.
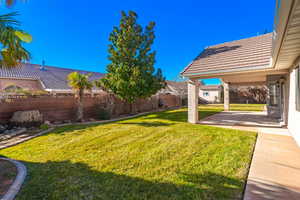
103	114
44	127
79	83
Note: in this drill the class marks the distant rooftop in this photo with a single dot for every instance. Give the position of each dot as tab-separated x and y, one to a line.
52	78
233	56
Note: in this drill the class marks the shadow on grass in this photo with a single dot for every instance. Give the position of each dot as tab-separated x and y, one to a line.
67	180
145	120
147	124
180	116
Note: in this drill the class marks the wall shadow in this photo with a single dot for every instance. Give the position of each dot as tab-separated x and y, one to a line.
67	180
261	190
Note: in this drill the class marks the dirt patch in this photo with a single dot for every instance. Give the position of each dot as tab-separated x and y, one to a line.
8	173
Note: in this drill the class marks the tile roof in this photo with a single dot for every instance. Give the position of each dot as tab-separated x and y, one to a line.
210	87
182	87
177	85
54	78
235	55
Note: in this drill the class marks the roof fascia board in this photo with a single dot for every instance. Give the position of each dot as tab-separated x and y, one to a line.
228	71
282	34
67	90
19	78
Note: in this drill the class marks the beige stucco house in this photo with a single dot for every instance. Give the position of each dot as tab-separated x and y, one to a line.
210	93
272	59
207	93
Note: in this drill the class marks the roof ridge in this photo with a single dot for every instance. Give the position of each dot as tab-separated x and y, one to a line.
238	40
61	68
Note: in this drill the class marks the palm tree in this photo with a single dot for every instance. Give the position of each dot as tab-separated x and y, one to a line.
10	3
11	39
79	83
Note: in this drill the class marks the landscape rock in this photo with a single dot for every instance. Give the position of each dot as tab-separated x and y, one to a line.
58	122
27	118
47	123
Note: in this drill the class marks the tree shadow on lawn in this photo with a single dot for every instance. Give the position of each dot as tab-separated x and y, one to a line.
67	180
148	124
145	121
180	115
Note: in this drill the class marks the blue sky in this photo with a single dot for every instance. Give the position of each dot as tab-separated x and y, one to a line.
74	34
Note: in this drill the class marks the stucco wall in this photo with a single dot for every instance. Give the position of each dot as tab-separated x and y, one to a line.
24	84
214	96
294	116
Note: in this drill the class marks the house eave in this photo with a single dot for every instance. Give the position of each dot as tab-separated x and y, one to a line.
286	38
217	73
67	90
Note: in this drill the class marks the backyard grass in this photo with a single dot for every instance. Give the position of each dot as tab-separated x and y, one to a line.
237	107
157	156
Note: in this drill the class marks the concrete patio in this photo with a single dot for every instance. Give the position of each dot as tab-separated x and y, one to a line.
241	118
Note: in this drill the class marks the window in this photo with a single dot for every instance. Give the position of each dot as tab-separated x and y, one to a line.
206	94
273	94
297	86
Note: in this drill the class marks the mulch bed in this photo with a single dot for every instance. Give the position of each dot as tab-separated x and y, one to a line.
8	173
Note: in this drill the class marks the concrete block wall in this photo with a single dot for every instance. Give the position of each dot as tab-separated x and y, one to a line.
59	108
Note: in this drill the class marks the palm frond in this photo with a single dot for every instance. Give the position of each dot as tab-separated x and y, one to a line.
9	19
11	39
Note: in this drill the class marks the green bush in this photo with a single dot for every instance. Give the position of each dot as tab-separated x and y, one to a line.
44	126
103	114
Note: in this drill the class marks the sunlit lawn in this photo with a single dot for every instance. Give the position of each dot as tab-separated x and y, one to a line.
157	156
237	107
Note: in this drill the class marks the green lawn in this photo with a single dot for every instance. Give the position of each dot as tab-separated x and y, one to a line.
238	107
157	156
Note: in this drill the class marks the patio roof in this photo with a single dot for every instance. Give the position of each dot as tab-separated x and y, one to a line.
240	55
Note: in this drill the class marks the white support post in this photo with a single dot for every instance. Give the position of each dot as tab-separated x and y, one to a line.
226	96
193	95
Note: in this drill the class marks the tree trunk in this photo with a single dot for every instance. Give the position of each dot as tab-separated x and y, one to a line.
79	114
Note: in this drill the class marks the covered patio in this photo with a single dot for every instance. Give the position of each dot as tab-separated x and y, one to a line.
245	62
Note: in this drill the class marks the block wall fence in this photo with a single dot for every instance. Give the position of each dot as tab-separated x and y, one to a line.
59	108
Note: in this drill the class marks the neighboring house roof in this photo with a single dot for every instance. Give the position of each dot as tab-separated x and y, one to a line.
177	85
254	52
174	87
181	88
210	87
52	78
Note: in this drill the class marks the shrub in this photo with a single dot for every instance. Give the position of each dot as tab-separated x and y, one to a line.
103	114
44	127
